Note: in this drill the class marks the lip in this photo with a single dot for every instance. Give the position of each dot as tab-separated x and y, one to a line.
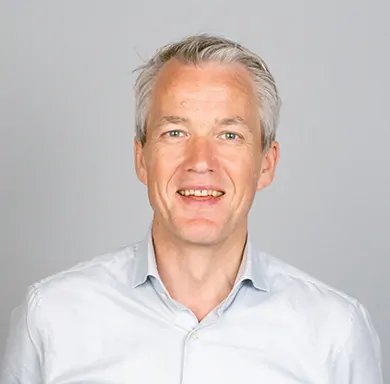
201	188
200	201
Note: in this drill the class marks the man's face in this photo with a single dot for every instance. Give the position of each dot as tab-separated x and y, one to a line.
202	161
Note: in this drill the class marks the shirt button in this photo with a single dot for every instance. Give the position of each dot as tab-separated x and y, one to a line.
164	296
195	336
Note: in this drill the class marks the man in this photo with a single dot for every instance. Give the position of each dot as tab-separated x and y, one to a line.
195	302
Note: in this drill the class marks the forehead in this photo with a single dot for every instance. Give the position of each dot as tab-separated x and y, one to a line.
206	85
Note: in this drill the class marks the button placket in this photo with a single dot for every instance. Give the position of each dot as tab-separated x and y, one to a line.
164	296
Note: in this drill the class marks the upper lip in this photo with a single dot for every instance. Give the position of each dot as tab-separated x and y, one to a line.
201	188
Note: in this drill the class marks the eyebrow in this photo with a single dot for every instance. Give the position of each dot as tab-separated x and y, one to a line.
235	120
227	121
172	120
231	121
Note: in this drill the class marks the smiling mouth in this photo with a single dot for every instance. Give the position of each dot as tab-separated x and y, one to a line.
200	193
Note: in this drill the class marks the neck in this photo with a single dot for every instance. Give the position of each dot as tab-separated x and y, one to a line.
198	276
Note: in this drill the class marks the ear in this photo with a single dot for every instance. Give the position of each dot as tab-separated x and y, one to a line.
268	166
139	161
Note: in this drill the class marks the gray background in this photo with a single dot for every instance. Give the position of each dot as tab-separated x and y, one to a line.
68	190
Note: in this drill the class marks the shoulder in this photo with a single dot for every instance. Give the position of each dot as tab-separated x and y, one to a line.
113	267
53	305
317	302
281	274
335	324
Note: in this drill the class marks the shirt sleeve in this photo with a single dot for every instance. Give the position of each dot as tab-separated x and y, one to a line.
359	359
24	348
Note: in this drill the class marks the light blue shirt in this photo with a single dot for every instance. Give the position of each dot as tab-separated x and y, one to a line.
110	320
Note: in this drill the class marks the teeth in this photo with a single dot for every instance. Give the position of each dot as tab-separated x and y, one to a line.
200	193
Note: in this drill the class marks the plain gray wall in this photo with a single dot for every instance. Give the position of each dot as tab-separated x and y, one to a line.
68	188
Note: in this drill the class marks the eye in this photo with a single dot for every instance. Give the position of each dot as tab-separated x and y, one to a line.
174	133
230	136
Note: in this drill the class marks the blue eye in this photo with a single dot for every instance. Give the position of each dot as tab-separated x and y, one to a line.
230	136
174	133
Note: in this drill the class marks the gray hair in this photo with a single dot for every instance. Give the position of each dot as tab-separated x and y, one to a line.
203	48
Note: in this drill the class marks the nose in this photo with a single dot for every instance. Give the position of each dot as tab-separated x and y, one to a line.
200	156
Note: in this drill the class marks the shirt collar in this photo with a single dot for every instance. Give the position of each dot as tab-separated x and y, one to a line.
145	261
253	267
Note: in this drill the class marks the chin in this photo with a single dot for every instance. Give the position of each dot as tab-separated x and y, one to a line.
201	232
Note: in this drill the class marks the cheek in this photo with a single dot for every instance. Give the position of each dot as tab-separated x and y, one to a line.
241	165
162	164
